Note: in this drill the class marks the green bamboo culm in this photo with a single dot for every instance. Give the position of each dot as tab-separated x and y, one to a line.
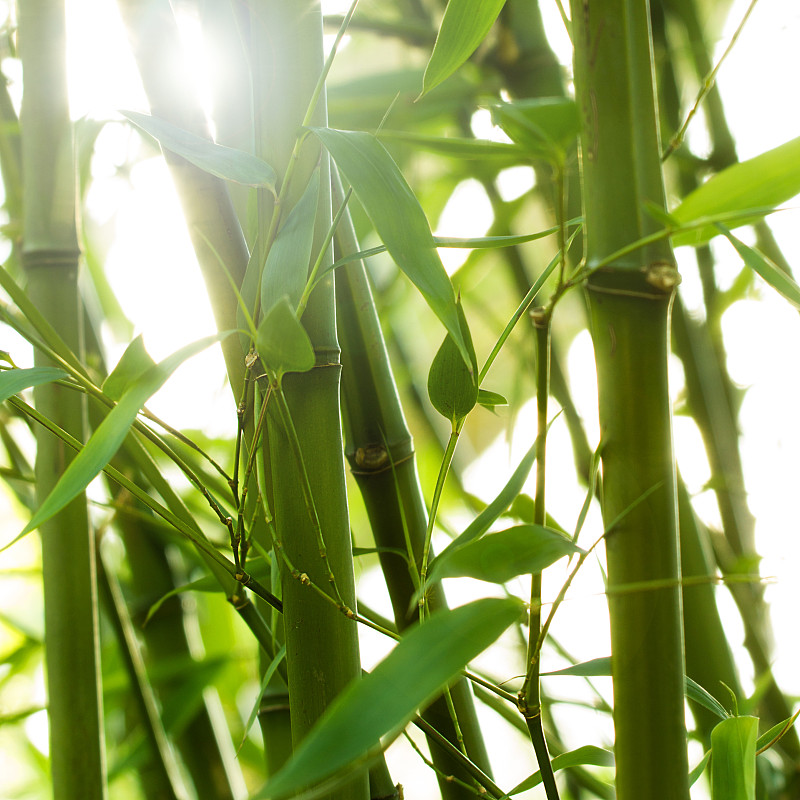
629	300
50	257
322	654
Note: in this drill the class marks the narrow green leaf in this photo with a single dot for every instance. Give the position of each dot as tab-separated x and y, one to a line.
499	557
588	755
694	691
270	671
700	768
490	399
776	732
545	127
216	159
452	384
134	363
398	219
595	668
464	26
286	270
770	272
767	180
492	512
111	432
427	658
500	153
733	759
282	341
13	381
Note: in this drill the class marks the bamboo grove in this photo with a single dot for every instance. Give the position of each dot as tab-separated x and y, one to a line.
264	613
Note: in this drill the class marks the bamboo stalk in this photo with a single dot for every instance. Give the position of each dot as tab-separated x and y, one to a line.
380	451
50	257
629	303
322	652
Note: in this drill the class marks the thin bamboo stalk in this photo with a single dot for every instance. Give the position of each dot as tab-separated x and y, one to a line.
629	303
50	257
380	450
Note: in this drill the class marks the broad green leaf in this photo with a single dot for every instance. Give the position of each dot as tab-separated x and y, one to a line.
452	385
733	759
694	691
216	159
13	381
282	341
769	271
398	219
464	26
500	153
499	557
286	270
545	127
427	658
135	362
595	668
588	755
765	181
492	512
111	432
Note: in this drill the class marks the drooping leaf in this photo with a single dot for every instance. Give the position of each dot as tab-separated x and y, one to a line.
499	557
13	381
135	362
452	384
427	658
733	759
588	755
398	219
216	159
111	432
464	26
765	181
286	270
545	127
769	271
694	691
282	341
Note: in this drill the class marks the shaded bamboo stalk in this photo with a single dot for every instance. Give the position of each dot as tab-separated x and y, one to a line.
50	257
380	451
629	300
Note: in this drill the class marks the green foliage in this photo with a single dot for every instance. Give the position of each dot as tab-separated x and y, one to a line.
733	759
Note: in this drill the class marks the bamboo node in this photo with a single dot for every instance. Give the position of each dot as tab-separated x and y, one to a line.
662	275
304	579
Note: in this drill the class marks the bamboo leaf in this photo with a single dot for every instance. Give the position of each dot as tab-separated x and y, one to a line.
13	381
589	755
134	363
595	668
733	759
398	219
764	181
545	127
499	557
282	341
216	159
464	26
769	271
694	691
286	270
776	733
110	434
700	768
452	384
491	399
270	671
427	658
500	153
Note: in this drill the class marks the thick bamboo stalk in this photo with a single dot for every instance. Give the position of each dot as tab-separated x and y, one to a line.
629	299
322	654
50	257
